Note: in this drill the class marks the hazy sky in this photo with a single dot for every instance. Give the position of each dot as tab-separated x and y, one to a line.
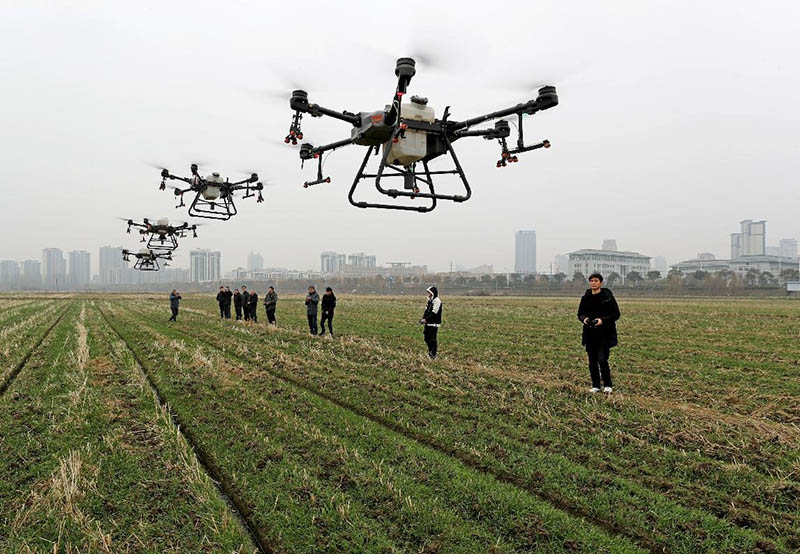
677	120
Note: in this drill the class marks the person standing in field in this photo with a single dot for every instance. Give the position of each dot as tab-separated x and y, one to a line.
254	307
270	303
221	301
228	296
174	302
237	303
311	309
432	320
246	303
598	312
328	306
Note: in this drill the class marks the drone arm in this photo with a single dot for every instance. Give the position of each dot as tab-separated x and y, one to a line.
308	151
318	111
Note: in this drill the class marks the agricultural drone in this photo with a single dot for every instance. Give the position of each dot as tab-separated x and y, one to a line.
407	135
146	259
161	236
213	196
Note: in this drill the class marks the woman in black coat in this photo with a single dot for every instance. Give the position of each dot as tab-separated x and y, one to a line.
598	311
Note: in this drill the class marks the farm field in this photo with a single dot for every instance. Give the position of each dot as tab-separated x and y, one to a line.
123	432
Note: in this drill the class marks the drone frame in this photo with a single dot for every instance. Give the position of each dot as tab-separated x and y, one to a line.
208	209
377	129
148	261
166	242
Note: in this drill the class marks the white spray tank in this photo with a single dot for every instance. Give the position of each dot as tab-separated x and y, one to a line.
211	192
414	146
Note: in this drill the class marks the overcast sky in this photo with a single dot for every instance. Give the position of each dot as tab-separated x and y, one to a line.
676	120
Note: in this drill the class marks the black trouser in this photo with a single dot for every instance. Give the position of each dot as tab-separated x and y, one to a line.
246	309
598	364
238	311
227	311
430	334
326	316
222	311
312	323
174	314
253	314
271	315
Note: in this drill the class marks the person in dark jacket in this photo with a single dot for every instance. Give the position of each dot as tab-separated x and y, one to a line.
174	302
432	320
270	303
328	306
245	303
254	307
598	312
237	303
311	309
228	296
221	301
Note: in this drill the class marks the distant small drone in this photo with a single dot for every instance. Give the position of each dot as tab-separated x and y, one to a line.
213	195
409	134
161	236
146	259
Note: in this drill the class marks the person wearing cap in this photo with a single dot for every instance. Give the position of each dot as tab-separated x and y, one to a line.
270	303
432	320
598	312
311	309
328	306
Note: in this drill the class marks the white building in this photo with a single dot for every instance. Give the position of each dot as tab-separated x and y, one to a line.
787	248
660	264
740	266
113	269
31	274
79	268
54	269
606	262
561	264
525	251
610	244
255	261
751	241
204	265
10	276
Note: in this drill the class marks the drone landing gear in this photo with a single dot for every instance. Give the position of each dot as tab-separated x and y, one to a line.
221	209
146	265
166	244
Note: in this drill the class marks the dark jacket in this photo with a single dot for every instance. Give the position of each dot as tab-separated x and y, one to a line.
221	297
228	295
271	300
328	303
433	309
245	298
253	299
311	303
237	299
603	306
174	300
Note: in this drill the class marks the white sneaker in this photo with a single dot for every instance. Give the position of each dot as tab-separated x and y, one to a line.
594	390
607	389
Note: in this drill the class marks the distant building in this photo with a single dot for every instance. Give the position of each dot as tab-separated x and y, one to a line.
10	275
606	262
706	256
255	261
204	265
525	251
54	269
660	264
739	266
79	269
787	248
332	262
772	251
561	263
359	259
610	244
31	274
751	241
113	270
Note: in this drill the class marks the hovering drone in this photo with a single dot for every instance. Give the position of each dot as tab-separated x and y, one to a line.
161	236
146	259
407	135
213	197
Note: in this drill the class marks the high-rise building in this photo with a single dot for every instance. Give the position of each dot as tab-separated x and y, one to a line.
31	274
54	269
204	265
255	261
610	244
9	275
773	251
525	251
113	269
561	263
788	248
332	262
79	268
660	264
751	241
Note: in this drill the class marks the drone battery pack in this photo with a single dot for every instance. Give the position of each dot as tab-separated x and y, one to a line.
414	145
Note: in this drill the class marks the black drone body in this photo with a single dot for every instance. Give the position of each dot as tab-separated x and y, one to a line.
213	196
160	235
146	259
407	136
